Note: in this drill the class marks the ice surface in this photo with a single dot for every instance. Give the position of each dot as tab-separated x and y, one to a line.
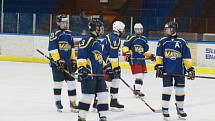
26	95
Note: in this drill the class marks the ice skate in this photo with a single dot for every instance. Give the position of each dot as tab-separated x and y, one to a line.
59	106
138	94
81	119
115	106
181	114
165	115
103	118
73	107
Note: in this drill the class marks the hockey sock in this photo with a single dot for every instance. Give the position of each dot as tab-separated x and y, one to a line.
138	84
179	96
114	89
71	90
138	81
84	104
57	90
166	95
102	103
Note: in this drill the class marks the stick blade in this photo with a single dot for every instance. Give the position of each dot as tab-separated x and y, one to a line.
157	111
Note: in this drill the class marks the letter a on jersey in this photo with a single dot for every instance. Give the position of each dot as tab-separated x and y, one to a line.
177	45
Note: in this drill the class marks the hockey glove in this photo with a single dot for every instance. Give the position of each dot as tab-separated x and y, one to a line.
117	72
72	66
127	56
108	70
159	70
83	73
149	55
152	57
60	64
191	73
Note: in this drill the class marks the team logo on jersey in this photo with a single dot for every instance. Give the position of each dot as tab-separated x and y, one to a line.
172	54
98	56
138	48
63	45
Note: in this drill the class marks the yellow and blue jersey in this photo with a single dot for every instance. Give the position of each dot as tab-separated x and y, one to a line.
173	53
137	46
90	53
61	45
111	49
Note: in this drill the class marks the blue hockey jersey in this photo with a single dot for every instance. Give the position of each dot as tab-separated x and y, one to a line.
136	45
61	46
173	53
90	51
111	49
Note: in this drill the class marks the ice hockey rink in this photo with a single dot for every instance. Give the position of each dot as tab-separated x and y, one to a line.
26	95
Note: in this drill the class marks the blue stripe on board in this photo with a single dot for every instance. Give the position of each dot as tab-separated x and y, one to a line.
194	42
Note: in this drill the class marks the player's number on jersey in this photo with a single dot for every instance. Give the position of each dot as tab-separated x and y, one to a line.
51	35
82	42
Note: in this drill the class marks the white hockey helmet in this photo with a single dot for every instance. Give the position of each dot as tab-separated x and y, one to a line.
138	26
118	26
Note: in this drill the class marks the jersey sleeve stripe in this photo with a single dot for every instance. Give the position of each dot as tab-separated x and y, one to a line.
55	54
82	62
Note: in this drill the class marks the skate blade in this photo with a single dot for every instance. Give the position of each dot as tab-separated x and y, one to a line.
74	110
59	110
181	118
166	119
114	109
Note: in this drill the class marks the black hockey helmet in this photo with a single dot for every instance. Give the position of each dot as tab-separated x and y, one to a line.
94	23
61	18
172	24
97	26
173	27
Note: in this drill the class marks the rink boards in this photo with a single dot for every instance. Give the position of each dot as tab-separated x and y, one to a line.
22	48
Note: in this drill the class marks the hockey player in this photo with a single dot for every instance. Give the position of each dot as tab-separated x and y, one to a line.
172	55
111	55
90	50
61	49
136	50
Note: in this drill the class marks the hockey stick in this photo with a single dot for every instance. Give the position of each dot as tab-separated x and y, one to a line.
95	75
66	71
152	109
206	77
